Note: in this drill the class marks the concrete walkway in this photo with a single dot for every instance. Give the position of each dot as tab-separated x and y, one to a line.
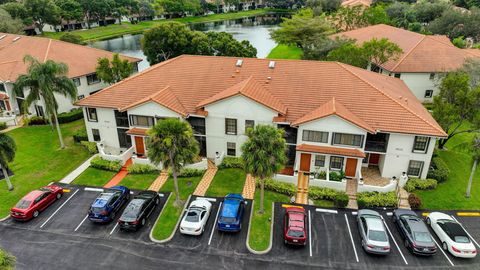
352	185
159	182
79	170
119	176
404	199
206	180
249	187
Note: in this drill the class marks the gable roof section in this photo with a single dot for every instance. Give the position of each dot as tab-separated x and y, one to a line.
249	88
81	60
334	108
421	53
301	86
164	97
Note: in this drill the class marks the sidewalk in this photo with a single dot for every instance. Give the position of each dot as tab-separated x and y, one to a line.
206	180
79	170
249	187
159	182
119	176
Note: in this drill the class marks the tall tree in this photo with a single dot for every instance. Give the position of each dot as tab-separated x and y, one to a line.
7	154
349	18
8	24
223	44
44	80
16	9
113	71
476	158
263	154
457	106
43	12
70	10
172	143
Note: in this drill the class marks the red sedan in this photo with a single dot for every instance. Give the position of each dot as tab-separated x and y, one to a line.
36	201
294	226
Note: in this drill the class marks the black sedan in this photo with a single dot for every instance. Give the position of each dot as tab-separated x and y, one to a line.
138	210
415	233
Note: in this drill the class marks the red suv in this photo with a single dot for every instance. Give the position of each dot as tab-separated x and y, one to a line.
36	201
294	231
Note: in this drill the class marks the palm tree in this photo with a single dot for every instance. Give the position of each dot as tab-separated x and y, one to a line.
173	144
263	154
476	158
44	80
7	154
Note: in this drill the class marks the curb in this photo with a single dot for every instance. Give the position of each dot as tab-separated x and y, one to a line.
176	225
271	232
5	218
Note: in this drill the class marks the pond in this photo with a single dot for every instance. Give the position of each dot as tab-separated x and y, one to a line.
254	29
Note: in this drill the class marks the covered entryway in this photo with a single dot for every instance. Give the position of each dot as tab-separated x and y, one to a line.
351	167
139	146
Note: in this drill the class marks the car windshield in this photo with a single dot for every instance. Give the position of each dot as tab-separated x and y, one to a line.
462	239
377	236
422	237
295	233
193	215
23	204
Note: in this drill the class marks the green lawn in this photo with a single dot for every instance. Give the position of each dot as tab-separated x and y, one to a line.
94	177
227	181
170	214
116	30
324	203
39	160
139	181
285	52
260	224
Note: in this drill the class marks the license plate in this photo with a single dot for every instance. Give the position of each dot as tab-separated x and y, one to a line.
227	226
295	240
425	249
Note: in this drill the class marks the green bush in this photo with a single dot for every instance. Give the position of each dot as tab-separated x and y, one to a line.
321	175
7	261
376	199
189	172
438	170
70	116
3	125
107	165
34	121
422	184
72	38
414	201
231	162
91	146
337	176
80	135
141	169
280	187
341	200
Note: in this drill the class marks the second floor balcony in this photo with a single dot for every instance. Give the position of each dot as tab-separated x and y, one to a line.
377	142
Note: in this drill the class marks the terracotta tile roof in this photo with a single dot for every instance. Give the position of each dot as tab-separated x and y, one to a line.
330	150
137	131
249	88
384	103
351	3
333	108
421	53
81	60
164	97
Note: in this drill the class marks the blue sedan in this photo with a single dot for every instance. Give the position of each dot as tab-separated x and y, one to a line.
108	203
231	213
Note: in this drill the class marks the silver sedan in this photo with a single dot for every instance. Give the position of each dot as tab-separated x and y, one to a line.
373	232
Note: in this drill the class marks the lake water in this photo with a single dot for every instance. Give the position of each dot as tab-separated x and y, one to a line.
254	29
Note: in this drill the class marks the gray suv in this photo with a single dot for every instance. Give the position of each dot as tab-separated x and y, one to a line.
415	233
373	232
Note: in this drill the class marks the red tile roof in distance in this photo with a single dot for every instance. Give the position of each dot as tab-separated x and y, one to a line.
384	103
331	150
81	60
421	53
351	3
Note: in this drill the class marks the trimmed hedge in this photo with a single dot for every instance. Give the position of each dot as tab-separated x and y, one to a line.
80	135
376	199
414	201
189	172
422	184
35	121
107	165
3	125
70	116
231	162
91	146
438	170
141	169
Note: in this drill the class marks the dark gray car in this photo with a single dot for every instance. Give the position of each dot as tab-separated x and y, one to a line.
373	232
415	233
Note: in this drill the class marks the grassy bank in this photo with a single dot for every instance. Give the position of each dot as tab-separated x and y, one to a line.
285	52
116	30
39	160
227	181
94	177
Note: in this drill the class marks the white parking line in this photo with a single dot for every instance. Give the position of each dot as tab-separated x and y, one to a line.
395	242
326	210
310	232
214	224
93	189
443	252
389	214
466	231
51	216
113	230
351	238
354	213
81	222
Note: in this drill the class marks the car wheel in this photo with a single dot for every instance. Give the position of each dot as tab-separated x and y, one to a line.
407	245
59	195
429	222
36	213
444	246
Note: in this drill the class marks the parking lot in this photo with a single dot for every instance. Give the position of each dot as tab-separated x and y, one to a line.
69	216
213	241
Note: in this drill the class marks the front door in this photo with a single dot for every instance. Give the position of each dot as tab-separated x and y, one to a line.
373	159
139	146
351	167
305	160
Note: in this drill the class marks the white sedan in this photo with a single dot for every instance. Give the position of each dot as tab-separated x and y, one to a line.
195	219
452	235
